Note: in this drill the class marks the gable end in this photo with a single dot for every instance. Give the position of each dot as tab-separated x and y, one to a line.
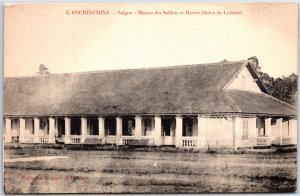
246	80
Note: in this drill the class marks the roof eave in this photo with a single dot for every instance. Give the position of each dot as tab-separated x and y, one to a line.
156	114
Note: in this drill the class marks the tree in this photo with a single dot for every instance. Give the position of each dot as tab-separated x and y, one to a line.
283	88
267	81
255	64
264	77
43	70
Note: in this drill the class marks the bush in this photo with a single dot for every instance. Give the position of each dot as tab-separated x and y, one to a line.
286	149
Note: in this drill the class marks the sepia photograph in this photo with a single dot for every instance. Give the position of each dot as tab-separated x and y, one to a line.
150	98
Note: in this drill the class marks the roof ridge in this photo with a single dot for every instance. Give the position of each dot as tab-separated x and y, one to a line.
221	63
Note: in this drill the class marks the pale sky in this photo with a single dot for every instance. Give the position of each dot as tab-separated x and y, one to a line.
37	34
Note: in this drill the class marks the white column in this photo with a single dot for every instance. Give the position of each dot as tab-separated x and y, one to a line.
67	130
51	130
36	128
56	127
101	129
252	130
22	130
157	132
237	131
8	138
201	122
138	126
274	135
119	131
268	127
252	127
83	129
119	126
279	124
293	130
257	124
178	132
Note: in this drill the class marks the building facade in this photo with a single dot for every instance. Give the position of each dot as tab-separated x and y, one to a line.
219	105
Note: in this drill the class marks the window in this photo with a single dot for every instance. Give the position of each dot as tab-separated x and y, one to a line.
260	125
75	126
128	126
188	127
148	125
93	126
110	126
168	126
61	126
29	125
245	129
44	124
15	125
285	127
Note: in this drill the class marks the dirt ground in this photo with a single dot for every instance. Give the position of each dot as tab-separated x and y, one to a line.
148	172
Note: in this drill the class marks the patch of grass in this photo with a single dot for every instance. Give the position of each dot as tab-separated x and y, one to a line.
173	171
98	147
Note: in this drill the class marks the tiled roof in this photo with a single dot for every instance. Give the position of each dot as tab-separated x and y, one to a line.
190	89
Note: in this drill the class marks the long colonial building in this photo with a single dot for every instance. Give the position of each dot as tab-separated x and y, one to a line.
219	105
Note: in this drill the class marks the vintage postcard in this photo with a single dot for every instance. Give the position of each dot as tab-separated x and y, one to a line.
150	98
